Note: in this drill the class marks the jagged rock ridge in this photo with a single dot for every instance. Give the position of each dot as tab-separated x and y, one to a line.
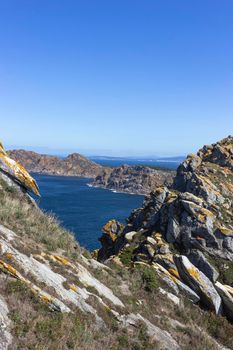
44	271
54	295
73	165
134	179
186	232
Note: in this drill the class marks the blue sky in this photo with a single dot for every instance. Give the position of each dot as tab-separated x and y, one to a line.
116	77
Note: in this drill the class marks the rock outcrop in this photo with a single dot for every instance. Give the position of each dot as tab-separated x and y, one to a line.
54	295
134	179
43	271
15	174
187	229
73	165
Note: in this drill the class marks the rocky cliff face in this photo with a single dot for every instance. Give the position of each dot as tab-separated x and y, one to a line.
186	232
54	295
134	179
73	165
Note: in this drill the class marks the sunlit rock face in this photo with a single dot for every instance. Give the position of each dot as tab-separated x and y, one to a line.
187	225
73	165
16	172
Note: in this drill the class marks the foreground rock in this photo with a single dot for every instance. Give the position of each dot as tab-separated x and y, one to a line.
198	282
50	286
134	179
11	170
187	229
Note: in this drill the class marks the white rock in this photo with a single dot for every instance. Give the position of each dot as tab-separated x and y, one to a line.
170	296
226	293
198	282
129	236
5	335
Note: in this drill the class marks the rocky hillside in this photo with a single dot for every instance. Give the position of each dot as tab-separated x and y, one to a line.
185	233
73	165
54	295
134	179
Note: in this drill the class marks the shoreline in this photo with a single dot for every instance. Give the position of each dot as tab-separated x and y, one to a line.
117	191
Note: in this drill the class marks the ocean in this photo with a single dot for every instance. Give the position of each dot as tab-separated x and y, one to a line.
83	209
169	163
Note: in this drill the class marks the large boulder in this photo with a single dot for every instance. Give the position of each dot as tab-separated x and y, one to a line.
16	172
226	292
198	282
198	259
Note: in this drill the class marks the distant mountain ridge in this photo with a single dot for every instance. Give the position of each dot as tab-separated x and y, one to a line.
73	165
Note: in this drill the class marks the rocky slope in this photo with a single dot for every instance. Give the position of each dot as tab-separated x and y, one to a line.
54	295
73	165
186	232
134	179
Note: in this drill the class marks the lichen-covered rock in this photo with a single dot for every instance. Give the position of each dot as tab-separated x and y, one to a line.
111	231
134	179
15	171
226	293
198	259
199	283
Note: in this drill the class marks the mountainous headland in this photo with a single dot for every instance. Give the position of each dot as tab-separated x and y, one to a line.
73	165
134	179
162	281
129	179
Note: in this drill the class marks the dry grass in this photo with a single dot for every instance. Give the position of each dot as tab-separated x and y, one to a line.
29	222
34	327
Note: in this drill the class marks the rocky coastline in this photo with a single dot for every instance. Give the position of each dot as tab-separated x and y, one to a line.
163	281
185	232
134	179
73	165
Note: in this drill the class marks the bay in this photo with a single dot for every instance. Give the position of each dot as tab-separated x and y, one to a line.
83	209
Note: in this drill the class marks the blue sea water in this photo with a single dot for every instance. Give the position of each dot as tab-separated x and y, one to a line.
82	209
170	163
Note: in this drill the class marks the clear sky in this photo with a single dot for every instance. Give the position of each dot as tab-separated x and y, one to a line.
116	77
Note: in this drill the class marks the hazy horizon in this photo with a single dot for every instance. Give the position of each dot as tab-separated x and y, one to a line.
89	153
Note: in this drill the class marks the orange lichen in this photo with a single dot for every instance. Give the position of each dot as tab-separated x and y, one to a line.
171	197
73	287
174	273
46	298
193	272
8	268
9	255
229	186
19	172
225	230
61	260
113	236
108	226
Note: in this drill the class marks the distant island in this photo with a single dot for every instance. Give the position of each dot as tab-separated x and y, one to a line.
73	165
134	179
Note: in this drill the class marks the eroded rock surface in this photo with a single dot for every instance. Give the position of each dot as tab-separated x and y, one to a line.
134	179
187	229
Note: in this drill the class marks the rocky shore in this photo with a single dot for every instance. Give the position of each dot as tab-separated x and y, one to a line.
134	179
174	252
129	179
185	232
